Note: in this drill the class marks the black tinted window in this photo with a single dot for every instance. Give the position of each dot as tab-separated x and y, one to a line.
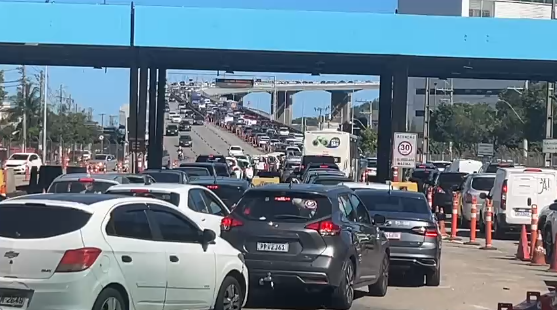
207	158
96	187
372	164
194	171
449	179
208	167
284	207
222	170
162	177
306	160
228	194
129	224
483	184
392	203
421	174
495	167
37	222
174	228
173	198
330	181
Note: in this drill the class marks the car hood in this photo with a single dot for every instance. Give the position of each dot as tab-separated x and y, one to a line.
18	162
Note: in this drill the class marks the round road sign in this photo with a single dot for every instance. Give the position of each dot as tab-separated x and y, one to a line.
101	137
405	148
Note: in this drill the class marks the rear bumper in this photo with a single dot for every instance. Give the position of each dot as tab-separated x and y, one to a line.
323	271
420	257
513	224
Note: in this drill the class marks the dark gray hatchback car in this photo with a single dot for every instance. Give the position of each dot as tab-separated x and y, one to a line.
319	238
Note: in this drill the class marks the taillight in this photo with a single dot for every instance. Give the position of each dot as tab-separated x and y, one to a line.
139	191
428	232
212	186
504	190
440	190
468	198
86	180
325	228
78	259
228	222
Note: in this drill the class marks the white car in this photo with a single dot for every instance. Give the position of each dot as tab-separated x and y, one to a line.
263	140
196	202
235	150
284	131
176	119
22	162
88	251
369	185
172	114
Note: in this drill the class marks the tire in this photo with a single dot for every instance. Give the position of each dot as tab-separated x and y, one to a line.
433	277
343	295
380	287
109	295
497	232
548	242
230	292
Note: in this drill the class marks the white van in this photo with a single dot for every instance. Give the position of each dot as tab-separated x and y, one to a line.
511	189
465	165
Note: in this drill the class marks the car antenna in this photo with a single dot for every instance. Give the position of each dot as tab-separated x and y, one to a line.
388	182
290	184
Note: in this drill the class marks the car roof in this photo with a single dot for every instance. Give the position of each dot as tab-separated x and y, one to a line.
77	176
218	180
202	164
156	187
147	171
310	188
482	175
370	185
322	176
396	193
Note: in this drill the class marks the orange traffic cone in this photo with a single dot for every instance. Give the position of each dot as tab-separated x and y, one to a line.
523	250
553	262
538	259
27	173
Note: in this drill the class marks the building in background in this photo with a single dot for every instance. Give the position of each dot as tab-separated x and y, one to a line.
464	90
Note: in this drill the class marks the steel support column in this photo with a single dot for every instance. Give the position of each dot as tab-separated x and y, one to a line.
142	108
384	141
132	119
152	113
340	106
284	107
158	148
400	97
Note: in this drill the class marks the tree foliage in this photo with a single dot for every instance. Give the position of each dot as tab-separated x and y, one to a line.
368	140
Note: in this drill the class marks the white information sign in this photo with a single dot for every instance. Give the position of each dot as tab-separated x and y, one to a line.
485	149
404	149
549	146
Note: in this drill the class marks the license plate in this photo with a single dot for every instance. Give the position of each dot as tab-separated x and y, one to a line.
12	301
392	235
272	247
522	213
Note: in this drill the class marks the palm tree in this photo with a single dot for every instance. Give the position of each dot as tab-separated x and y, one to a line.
30	106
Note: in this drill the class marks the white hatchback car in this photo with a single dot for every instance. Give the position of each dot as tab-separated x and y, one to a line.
197	202
88	251
235	150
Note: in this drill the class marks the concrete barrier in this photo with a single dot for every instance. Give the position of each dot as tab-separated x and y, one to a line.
9	177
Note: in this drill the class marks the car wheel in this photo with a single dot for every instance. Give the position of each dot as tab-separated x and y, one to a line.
433	277
230	296
498	232
110	299
548	243
380	287
343	295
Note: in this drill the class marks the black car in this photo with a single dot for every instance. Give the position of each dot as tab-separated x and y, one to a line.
198	120
413	233
194	172
184	126
313	237
330	179
185	141
229	190
210	159
214	168
442	187
171	130
167	176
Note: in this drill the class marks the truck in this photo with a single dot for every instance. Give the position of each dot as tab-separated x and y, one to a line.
342	146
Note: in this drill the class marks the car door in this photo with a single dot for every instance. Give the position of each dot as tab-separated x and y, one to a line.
190	269
350	222
141	259
196	203
216	210
371	237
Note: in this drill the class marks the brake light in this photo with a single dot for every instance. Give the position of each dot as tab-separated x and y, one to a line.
532	170
325	228
86	180
228	222
282	198
211	156
421	166
428	232
504	190
139	191
212	186
323	166
78	259
440	190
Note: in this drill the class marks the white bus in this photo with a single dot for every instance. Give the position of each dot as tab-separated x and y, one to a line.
342	146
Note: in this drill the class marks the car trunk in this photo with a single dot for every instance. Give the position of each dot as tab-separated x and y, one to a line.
400	228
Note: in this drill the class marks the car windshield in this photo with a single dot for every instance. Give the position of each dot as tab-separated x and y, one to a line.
195	171
235	148
172	127
164	177
377	200
185	138
227	193
19	157
100	157
283	206
77	186
483	183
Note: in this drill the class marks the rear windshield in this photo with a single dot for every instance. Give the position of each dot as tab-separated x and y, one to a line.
449	179
173	198
227	193
100	157
162	177
379	201
208	167
483	184
207	158
330	181
19	156
136	180
96	187
235	148
306	160
185	138
421	174
195	171
222	170
372	164
38	222
283	206
495	167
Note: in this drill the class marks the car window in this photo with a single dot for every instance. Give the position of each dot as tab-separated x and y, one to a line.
483	183
196	202
227	193
130	223
80	186
165	177
213	206
173	228
378	201
348	208
361	211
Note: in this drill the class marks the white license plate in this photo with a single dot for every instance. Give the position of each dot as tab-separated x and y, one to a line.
522	213
12	301
272	247
392	235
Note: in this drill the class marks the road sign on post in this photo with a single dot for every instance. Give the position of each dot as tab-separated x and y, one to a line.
404	149
137	145
549	146
485	149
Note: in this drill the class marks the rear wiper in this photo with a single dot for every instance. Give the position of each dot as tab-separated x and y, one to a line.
291	216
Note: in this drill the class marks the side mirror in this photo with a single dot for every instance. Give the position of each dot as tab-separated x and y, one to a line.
379	219
529	201
208	236
553	207
483	196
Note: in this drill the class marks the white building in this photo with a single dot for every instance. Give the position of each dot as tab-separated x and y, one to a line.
465	90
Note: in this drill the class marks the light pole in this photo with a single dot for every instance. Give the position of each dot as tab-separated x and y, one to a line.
45	108
512	109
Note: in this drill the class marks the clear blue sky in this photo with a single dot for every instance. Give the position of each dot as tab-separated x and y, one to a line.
106	91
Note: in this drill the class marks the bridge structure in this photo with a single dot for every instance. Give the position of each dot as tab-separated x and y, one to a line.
282	95
149	40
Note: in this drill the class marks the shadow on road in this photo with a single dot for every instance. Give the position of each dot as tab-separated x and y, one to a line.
291	299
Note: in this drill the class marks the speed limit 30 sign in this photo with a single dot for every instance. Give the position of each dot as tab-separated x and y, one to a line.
404	149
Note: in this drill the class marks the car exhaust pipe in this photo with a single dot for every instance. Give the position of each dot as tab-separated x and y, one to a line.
267	279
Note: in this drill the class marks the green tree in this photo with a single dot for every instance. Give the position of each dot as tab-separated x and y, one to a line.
30	106
368	141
